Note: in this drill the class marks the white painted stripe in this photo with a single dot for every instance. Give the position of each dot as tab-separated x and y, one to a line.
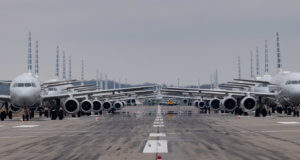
158	122
157	134
1	125
25	126
8	137
158	125
288	122
156	146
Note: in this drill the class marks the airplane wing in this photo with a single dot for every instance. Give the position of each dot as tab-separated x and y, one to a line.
56	83
223	91
89	93
5	98
7	83
254	81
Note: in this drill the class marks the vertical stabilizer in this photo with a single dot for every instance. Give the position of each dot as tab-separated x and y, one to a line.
82	70
97	78
115	83
70	67
279	65
251	65
119	83
64	66
29	63
257	63
106	85
266	58
57	63
36	58
239	67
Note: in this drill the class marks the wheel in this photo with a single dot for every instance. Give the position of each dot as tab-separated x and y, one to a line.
264	112
2	116
78	114
27	117
60	115
46	114
54	115
23	117
289	111
10	114
279	110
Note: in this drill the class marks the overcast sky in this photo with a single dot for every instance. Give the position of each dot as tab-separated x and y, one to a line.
149	40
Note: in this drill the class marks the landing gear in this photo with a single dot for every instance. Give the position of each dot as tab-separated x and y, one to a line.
2	115
10	114
26	114
46	114
53	114
60	114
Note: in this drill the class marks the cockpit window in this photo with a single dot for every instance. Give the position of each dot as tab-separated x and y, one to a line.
27	84
292	82
33	84
52	89
21	84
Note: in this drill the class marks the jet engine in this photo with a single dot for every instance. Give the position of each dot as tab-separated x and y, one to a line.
214	104
123	103
229	104
185	101
97	105
15	109
196	103
71	106
118	105
107	105
248	104
86	106
201	104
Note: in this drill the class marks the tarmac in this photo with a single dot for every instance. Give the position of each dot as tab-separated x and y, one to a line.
145	132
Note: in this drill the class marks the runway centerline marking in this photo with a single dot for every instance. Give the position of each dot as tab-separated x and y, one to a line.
156	146
25	126
288	122
157	135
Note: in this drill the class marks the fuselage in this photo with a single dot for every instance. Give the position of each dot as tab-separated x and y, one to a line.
25	91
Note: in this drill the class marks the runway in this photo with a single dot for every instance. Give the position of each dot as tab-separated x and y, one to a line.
188	135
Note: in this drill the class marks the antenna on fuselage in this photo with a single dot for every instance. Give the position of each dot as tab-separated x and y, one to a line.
36	58
57	63
29	63
279	65
257	63
266	58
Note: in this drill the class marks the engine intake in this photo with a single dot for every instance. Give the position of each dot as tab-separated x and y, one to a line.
97	106
214	104
248	104
196	103
107	105
118	105
71	106
201	104
86	106
229	104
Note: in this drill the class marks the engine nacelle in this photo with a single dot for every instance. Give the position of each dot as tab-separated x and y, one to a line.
185	101
107	105
196	103
15	109
97	106
123	103
229	104
71	106
215	104
86	106
201	104
248	104
118	105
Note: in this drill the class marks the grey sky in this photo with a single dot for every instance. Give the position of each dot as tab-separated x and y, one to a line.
149	40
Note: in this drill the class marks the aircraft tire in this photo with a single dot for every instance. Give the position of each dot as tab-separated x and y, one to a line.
27	117
46	114
61	115
10	114
264	112
2	116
